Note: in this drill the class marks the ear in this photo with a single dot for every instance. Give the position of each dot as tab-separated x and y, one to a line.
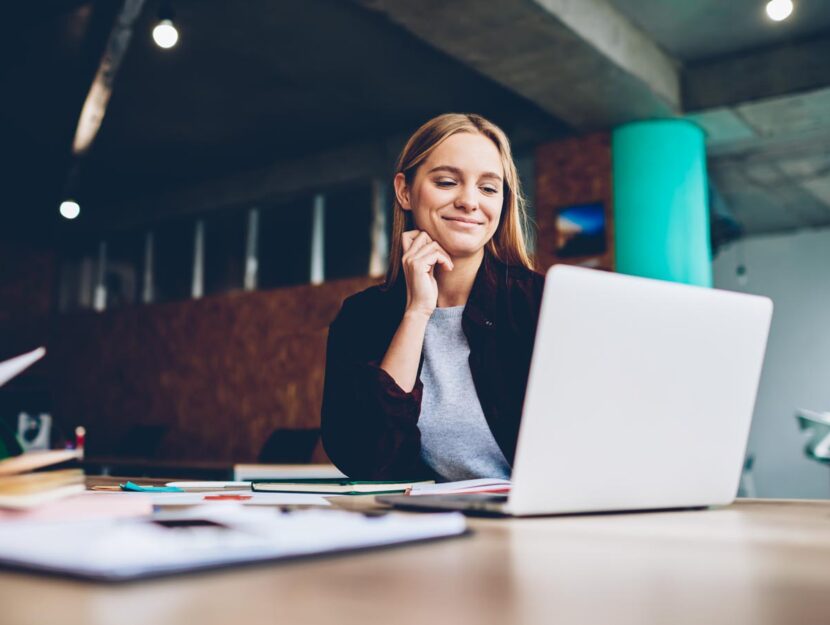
402	191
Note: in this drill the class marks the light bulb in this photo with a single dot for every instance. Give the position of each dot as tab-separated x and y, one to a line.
165	34
779	10
70	209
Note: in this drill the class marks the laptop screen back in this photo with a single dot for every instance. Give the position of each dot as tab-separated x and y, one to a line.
640	394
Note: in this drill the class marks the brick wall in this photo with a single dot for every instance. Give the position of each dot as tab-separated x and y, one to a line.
568	172
220	373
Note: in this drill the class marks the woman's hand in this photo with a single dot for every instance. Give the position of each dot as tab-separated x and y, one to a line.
420	256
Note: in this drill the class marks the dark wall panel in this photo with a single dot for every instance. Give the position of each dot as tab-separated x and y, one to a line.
27	277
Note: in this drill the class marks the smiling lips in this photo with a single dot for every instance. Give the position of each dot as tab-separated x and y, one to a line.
464	221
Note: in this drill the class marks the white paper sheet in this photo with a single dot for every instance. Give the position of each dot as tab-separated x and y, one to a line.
13	366
482	485
125	549
212	485
228	498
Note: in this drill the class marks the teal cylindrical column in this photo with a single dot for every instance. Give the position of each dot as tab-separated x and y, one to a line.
661	208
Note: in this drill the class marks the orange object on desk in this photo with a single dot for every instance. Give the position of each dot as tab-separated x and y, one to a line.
227	497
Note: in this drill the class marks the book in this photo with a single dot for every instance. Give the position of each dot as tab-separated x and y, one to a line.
32	460
39	477
24	501
36	482
335	487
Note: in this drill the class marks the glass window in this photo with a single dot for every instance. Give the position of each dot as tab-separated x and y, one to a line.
348	231
284	245
124	268
77	274
224	251
173	260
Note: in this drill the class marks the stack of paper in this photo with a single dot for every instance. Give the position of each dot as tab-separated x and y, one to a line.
24	483
21	486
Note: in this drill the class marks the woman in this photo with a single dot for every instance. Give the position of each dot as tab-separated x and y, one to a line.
426	374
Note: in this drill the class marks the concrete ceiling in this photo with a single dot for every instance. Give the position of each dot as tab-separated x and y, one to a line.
697	30
758	88
770	160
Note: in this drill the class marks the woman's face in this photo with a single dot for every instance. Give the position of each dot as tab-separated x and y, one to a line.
457	194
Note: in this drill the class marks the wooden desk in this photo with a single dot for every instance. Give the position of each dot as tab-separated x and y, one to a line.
755	562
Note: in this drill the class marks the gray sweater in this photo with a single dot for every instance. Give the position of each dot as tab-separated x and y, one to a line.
456	441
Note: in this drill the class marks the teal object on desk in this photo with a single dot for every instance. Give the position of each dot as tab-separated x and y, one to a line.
817	426
136	488
661	208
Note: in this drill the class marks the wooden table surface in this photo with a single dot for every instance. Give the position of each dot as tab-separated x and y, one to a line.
754	562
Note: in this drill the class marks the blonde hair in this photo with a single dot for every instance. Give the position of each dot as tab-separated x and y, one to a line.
508	243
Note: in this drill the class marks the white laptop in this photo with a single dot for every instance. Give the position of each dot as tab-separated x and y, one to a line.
640	396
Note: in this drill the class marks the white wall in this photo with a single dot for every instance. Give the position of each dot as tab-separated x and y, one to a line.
793	270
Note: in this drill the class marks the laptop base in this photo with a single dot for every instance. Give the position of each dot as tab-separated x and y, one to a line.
487	505
473	504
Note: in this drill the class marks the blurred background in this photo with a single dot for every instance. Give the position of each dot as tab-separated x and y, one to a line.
190	189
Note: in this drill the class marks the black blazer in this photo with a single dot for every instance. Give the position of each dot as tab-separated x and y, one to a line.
370	425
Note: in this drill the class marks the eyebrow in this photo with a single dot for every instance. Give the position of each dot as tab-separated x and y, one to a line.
458	172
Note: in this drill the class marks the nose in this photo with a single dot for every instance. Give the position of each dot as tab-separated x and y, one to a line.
466	199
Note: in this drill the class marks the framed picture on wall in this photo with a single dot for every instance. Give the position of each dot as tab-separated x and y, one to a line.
580	231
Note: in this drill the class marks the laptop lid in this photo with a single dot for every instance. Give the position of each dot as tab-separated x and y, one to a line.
640	394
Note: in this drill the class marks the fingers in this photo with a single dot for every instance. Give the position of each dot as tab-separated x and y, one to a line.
443	260
427	262
413	240
407	238
434	253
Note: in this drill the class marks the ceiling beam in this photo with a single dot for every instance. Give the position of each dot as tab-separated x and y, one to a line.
95	105
583	62
274	183
747	77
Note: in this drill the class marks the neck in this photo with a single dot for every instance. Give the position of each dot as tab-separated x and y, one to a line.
454	286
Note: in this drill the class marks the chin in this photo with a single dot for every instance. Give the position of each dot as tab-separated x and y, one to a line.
461	249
